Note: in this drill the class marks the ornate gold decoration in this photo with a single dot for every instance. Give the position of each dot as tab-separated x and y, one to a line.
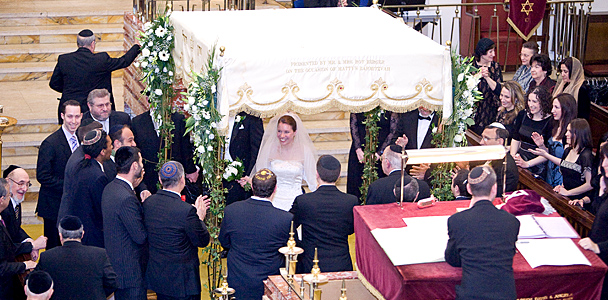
222	49
529	9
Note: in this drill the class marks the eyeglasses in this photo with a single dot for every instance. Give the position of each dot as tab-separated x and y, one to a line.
22	183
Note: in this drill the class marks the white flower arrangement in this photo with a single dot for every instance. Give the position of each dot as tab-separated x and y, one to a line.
157	44
234	170
201	105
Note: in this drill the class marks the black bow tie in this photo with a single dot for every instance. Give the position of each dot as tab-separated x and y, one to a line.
424	118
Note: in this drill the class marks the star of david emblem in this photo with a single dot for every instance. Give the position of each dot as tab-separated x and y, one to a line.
529	9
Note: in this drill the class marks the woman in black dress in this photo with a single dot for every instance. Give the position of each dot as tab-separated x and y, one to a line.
576	163
489	84
535	118
598	237
387	124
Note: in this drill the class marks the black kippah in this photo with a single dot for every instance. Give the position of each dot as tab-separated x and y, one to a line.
85	33
396	148
329	162
70	223
9	170
38	282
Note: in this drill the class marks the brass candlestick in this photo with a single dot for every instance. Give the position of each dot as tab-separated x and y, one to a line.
5	122
291	255
315	278
404	159
224	291
343	292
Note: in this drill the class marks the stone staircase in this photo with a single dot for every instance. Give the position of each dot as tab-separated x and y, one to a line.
29	45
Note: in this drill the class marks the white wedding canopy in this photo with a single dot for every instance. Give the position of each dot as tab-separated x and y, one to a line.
312	60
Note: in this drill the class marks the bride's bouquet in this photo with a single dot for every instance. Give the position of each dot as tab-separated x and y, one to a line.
234	170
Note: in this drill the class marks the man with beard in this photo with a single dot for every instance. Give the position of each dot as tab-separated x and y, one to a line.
124	231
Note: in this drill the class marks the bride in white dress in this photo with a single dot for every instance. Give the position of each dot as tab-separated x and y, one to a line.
288	151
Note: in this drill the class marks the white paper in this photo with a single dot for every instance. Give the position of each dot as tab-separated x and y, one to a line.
551	252
422	241
556	227
528	228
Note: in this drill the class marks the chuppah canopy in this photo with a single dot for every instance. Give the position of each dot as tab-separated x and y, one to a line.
312	60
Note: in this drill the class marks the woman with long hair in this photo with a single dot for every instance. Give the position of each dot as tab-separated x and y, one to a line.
563	111
572	81
489	84
576	163
511	103
535	118
288	151
598	236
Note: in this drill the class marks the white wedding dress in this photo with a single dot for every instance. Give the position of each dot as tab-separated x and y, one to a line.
289	182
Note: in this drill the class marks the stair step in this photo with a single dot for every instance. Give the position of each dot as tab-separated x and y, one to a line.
28	71
49	52
50	34
33	126
326	115
28	213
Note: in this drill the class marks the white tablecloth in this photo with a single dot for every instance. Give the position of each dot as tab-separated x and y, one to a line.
312	60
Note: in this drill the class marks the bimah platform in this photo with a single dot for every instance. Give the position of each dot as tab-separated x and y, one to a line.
438	280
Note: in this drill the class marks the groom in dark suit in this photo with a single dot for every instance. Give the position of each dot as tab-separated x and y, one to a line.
123	225
175	232
381	191
253	231
485	253
244	143
326	216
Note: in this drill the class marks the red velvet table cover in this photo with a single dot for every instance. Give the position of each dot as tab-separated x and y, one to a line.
438	280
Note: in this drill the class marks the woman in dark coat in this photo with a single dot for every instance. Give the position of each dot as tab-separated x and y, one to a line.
489	85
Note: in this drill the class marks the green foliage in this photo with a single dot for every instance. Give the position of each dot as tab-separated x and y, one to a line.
369	151
451	132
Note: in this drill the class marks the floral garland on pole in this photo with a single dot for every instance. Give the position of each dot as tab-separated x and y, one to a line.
369	150
158	67
451	131
202	123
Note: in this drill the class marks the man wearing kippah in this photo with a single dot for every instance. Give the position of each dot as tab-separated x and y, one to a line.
175	232
78	271
38	286
79	72
253	231
326	216
482	242
381	190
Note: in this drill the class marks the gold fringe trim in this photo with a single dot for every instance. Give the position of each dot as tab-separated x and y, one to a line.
368	285
521	34
334	104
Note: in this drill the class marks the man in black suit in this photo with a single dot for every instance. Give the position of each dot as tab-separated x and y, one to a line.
326	216
123	225
79	72
410	189
100	110
79	271
253	241
175	232
496	134
381	190
414	131
53	155
122	135
18	184
484	252
182	150
84	190
10	287
244	144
